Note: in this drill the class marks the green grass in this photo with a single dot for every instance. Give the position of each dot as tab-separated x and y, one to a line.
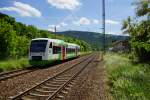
13	64
127	81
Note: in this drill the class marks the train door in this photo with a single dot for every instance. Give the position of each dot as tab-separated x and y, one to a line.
63	52
50	51
76	51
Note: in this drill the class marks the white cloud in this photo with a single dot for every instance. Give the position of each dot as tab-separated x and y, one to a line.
112	22
23	9
86	21
114	33
63	24
52	27
117	33
83	21
95	21
65	4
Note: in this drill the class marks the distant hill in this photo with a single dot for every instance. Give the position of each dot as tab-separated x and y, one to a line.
93	38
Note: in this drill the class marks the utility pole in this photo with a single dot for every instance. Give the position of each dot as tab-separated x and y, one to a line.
55	30
103	27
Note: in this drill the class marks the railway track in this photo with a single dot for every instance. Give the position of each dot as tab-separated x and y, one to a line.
15	73
11	74
54	87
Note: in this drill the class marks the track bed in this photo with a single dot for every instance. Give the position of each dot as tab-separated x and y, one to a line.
18	84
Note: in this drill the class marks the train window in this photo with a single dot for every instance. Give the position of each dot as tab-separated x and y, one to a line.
70	50
38	46
50	45
56	50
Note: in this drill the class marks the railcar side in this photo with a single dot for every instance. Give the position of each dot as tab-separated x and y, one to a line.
44	51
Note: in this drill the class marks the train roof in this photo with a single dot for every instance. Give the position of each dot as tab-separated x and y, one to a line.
73	45
51	40
58	41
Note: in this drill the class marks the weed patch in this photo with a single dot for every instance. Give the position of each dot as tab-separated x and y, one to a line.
127	81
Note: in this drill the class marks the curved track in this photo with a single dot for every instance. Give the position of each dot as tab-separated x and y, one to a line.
53	86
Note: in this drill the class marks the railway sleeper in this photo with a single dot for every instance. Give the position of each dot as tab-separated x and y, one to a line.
44	91
59	97
62	78
69	85
67	88
47	87
64	92
38	95
40	92
73	82
54	82
62	81
30	97
52	85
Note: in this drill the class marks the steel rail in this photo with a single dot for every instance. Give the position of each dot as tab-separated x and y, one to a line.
66	83
18	97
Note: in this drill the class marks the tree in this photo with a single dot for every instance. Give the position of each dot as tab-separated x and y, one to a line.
126	25
22	46
43	34
7	39
140	32
143	8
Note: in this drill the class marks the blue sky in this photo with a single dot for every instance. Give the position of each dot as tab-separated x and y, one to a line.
82	15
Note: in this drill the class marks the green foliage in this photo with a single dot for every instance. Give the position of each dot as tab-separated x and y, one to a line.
43	33
84	45
32	32
127	81
143	8
140	32
7	39
95	40
13	64
141	40
15	37
22	46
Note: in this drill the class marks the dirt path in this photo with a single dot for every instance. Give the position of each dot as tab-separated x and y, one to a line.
91	84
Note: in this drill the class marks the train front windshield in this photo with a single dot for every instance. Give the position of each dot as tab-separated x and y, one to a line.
38	46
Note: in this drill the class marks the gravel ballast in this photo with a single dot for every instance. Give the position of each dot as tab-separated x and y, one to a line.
14	86
91	84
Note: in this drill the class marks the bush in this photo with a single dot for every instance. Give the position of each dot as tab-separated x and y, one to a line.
13	64
127	81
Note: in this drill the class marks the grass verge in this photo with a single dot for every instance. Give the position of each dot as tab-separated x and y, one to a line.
127	81
13	64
